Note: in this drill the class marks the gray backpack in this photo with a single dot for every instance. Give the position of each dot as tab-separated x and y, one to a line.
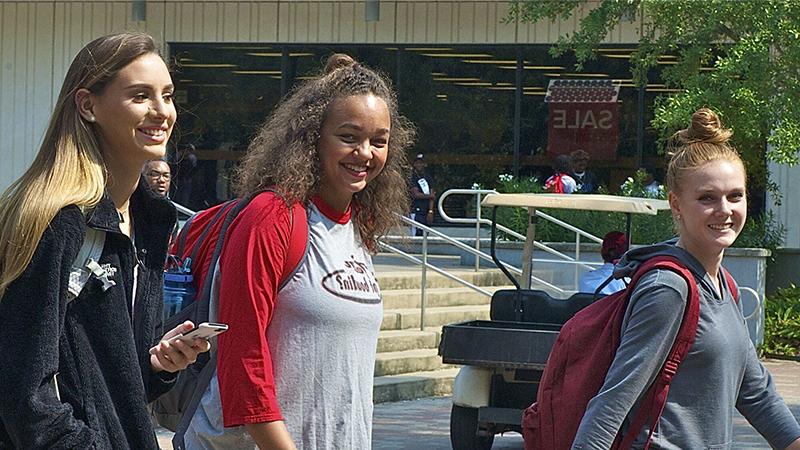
84	267
174	410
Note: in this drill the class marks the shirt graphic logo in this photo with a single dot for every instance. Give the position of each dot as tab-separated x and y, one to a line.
423	186
354	282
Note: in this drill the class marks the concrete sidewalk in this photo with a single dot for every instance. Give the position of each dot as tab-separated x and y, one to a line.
425	423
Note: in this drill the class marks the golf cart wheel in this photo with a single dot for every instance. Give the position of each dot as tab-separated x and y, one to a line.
464	430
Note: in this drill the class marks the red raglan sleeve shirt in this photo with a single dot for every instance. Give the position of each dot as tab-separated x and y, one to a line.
251	266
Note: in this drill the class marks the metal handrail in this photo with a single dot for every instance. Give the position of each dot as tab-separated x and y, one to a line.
477	253
442	272
183	210
425	265
479	221
757	310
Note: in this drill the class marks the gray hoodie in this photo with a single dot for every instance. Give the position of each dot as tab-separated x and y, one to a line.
720	373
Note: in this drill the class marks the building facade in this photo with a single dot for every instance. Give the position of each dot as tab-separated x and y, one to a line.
477	86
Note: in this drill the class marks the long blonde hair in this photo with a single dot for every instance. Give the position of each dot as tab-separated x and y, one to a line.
69	167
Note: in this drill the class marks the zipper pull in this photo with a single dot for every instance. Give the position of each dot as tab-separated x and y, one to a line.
141	255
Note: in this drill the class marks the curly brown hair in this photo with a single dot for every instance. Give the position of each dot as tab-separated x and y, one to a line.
284	152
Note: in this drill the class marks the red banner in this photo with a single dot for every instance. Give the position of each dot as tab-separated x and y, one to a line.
583	115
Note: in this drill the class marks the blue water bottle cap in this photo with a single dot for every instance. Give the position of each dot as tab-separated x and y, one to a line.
178	277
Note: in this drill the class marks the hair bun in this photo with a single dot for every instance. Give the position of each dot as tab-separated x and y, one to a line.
705	127
337	61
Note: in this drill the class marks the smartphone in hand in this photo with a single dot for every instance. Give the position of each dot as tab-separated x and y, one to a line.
205	330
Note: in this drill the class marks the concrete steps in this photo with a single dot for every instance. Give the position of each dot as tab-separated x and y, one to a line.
401	319
408	386
399	340
407	361
436	297
407	365
410	279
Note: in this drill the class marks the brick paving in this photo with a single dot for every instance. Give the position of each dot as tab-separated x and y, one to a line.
424	423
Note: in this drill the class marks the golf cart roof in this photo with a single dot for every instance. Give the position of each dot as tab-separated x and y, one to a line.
593	202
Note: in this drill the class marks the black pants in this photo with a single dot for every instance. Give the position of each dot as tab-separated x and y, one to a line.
421	217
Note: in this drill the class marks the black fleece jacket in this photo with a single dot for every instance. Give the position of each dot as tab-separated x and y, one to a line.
98	343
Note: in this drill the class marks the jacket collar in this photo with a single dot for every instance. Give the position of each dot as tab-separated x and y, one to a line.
148	209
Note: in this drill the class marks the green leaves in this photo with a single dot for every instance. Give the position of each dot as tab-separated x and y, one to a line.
741	58
782	323
759	232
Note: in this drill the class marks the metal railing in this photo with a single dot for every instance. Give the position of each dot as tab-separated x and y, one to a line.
183	210
425	265
478	221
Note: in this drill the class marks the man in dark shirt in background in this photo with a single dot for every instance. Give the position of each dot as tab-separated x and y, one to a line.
158	176
422	194
585	180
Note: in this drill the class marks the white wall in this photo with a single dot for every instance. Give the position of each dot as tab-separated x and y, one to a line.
788	212
38	40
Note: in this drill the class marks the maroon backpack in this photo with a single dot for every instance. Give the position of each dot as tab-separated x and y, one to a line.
580	359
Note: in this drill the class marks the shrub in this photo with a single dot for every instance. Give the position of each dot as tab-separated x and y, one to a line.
760	231
782	323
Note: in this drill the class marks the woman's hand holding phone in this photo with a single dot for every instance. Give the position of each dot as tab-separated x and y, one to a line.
173	354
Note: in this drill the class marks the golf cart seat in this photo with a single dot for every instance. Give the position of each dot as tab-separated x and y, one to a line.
531	305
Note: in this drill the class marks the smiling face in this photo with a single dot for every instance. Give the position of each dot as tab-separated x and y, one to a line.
711	207
135	113
353	146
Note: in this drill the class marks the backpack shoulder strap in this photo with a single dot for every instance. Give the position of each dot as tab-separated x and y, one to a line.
85	264
298	237
224	209
731	284
656	396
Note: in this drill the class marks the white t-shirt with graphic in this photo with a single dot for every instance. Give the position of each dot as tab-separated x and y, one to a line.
322	340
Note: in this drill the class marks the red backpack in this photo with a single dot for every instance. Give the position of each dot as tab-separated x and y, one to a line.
555	184
585	348
201	241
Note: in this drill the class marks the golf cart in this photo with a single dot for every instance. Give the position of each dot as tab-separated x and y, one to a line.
504	357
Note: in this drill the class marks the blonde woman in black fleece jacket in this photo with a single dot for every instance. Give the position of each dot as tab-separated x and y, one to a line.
114	112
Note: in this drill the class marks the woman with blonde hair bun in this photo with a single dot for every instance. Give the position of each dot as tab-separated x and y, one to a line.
81	339
708	197
326	174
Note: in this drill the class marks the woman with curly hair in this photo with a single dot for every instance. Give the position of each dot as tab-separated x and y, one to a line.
296	368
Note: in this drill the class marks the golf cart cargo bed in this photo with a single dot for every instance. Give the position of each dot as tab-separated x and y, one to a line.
494	343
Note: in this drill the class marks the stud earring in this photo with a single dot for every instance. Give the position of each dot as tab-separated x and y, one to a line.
91	119
678	217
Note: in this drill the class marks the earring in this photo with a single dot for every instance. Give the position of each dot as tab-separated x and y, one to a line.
678	217
91	119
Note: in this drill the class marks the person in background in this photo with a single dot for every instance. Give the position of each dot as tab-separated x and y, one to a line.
422	195
585	180
296	368
103	341
158	176
652	187
561	182
707	187
615	243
